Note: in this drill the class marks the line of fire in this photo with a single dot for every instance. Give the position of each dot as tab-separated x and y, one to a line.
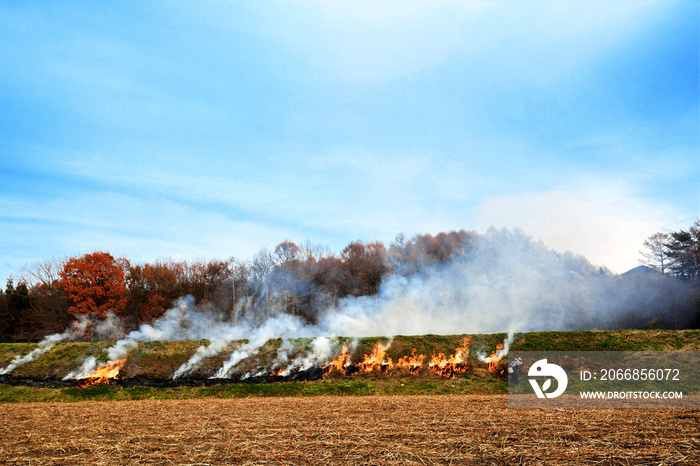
345	364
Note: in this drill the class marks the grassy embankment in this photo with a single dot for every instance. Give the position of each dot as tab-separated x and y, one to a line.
161	359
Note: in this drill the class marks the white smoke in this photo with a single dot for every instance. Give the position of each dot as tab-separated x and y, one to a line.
321	350
504	282
44	346
109	329
90	327
202	353
500	352
76	331
284	326
506	343
488	293
282	358
86	368
120	349
185	322
117	351
496	289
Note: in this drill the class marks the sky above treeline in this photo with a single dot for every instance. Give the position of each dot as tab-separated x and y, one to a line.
205	130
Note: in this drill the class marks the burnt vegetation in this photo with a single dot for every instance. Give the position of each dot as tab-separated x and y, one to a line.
307	279
402	365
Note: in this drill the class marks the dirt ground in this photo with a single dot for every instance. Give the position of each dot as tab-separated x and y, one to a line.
342	430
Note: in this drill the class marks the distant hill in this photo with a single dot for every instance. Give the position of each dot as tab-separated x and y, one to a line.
641	270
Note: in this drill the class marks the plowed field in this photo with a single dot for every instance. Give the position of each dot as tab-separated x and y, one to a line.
342	430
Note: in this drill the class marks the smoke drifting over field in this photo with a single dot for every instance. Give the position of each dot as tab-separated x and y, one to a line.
104	329
505	282
502	282
44	346
509	283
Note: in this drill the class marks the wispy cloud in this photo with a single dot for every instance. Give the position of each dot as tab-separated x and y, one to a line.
605	225
217	129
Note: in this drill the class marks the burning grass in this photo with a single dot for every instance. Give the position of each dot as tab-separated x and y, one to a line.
160	358
403	357
343	430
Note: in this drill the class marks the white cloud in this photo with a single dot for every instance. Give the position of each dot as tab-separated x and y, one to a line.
366	41
140	229
606	227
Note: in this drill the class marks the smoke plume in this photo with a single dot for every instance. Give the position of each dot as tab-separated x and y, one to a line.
202	353
321	349
44	345
84	325
502	281
86	368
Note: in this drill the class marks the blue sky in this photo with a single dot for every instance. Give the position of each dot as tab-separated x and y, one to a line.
209	130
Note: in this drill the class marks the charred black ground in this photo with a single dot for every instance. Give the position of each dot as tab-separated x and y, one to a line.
152	364
314	373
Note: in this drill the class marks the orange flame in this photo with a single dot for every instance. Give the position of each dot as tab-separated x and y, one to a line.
376	360
494	358
340	363
103	374
455	364
413	362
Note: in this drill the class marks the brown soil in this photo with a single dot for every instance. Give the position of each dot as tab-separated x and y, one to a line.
342	430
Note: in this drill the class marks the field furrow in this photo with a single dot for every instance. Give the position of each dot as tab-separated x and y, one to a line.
450	429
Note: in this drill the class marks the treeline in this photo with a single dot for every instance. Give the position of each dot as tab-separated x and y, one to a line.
301	280
676	254
529	283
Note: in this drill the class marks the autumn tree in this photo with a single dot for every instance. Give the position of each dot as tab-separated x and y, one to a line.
408	256
203	280
365	266
312	252
152	290
287	252
283	280
94	283
331	276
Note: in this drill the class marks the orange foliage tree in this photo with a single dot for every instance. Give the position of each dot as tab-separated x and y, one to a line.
408	256
152	290
94	283
330	274
364	265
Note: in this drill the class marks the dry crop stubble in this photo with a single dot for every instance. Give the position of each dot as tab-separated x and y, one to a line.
461	429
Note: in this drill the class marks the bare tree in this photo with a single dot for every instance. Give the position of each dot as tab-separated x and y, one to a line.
46	273
313	252
286	251
656	255
48	306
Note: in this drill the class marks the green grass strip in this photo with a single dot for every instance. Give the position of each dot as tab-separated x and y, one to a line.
12	394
